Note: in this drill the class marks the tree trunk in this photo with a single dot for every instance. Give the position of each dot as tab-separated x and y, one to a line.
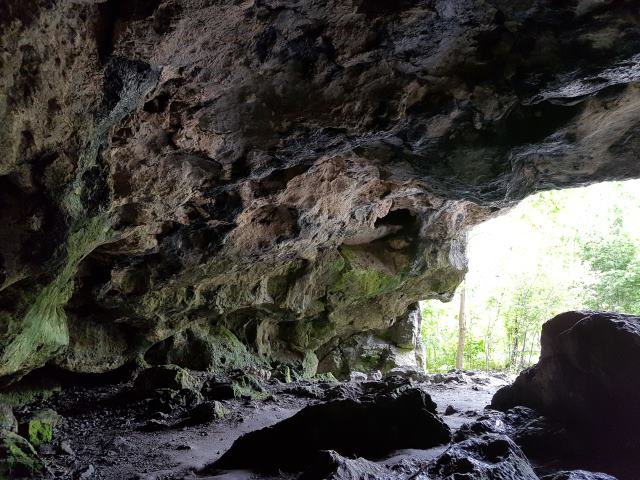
462	328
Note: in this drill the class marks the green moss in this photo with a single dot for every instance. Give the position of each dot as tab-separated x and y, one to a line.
204	347
40	432
17	457
39	428
359	279
248	386
309	365
43	330
24	394
287	374
326	377
219	409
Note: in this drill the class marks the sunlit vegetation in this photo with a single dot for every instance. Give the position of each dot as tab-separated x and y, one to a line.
556	251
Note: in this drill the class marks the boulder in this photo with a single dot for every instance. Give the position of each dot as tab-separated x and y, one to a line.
38	426
486	457
163	376
371	427
166	400
586	376
202	346
536	435
18	459
206	412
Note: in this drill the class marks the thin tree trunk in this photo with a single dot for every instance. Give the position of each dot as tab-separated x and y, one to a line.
462	328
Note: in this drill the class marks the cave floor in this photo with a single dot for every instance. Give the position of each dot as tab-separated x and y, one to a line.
101	437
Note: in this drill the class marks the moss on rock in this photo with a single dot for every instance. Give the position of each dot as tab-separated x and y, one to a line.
18	459
38	428
203	346
163	376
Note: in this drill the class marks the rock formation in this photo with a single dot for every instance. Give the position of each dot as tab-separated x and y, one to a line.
586	379
289	171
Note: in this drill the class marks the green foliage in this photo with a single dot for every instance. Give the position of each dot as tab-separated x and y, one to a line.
556	251
615	259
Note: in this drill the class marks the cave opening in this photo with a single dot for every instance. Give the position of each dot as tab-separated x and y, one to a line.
556	251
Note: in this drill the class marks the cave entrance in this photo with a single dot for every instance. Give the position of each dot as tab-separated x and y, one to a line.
556	251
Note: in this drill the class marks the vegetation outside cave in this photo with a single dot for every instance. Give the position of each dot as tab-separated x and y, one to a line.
556	251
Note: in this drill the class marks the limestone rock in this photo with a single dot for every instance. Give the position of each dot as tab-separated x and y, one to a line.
202	346
18	459
578	475
163	376
302	172
329	465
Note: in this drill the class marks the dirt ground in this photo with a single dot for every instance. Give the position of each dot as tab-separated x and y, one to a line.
101	437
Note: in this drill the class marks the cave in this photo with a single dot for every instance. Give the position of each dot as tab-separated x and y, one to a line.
219	218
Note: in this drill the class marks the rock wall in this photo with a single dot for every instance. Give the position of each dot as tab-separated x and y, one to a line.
291	171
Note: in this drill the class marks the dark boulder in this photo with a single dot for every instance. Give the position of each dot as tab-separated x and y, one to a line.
487	457
370	428
586	376
535	434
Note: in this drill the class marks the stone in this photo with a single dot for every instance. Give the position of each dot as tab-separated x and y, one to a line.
329	465
263	181
213	389
163	401
539	437
85	473
203	347
586	365
7	419
170	377
38	427
358	377
66	448
486	457
371	427
18	458
450	410
206	412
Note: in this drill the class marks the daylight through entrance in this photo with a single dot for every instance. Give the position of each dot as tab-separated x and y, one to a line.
556	251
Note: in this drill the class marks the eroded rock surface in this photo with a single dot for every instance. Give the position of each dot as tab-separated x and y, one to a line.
294	171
